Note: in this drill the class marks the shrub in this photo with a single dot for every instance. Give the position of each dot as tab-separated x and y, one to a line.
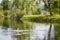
5	13
36	12
19	14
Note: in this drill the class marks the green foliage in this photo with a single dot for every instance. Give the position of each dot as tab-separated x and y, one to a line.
6	22
1	21
36	12
1	11
1	7
25	6
55	4
5	13
19	13
5	4
39	18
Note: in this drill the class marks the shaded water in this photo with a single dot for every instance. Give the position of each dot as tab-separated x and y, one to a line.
28	30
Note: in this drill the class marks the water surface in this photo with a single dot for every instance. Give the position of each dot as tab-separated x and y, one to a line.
18	30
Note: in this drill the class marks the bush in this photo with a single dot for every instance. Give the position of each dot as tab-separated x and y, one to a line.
19	14
36	12
5	13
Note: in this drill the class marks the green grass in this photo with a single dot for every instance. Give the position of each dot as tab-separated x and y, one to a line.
39	18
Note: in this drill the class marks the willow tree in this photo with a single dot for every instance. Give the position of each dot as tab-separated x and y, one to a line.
23	6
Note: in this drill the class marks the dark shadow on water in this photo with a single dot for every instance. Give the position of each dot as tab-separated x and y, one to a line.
49	31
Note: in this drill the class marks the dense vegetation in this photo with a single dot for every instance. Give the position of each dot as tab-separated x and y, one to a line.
20	8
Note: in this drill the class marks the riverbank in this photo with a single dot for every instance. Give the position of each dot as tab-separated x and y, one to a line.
39	18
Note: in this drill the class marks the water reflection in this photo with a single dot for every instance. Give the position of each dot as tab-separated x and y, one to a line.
5	33
41	32
29	31
57	32
51	32
5	23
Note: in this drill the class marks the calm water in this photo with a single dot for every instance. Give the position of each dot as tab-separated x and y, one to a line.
18	30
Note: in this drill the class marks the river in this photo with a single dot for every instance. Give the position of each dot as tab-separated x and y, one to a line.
18	30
